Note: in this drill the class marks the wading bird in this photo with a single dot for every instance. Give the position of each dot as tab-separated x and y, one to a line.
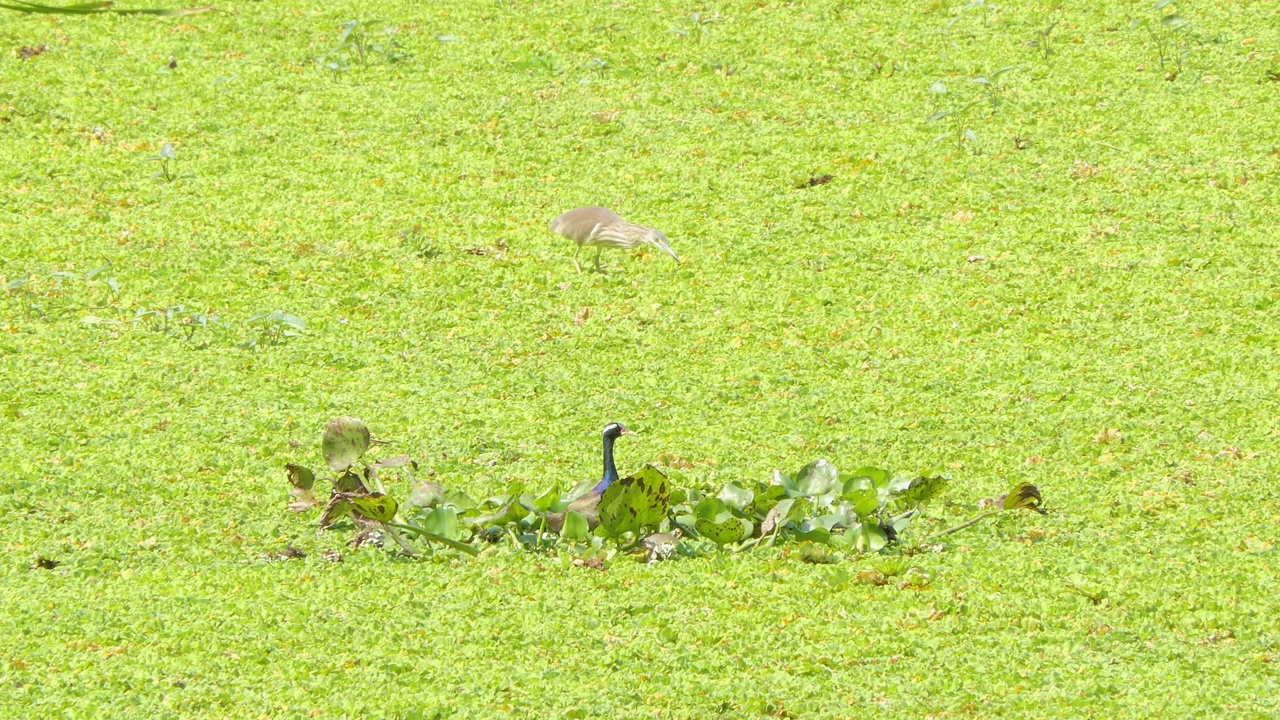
599	227
588	504
660	546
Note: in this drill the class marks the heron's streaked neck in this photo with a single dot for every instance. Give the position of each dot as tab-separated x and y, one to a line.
610	470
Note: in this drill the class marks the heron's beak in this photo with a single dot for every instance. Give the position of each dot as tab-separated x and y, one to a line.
665	248
629	432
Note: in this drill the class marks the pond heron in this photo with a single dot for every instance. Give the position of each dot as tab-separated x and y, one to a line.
599	227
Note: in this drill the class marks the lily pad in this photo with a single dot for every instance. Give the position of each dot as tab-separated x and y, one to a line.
345	440
635	502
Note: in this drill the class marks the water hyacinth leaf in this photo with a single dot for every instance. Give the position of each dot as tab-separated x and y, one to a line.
635	502
800	507
576	527
442	521
786	483
766	496
425	495
723	529
94	273
899	524
813	533
898	484
829	521
345	440
688	522
458	500
736	497
349	482
284	318
922	490
868	536
376	506
337	508
581	489
843	541
879	478
546	501
512	512
709	508
861	495
816	478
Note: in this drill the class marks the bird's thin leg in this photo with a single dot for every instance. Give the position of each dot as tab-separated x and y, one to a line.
598	260
575	260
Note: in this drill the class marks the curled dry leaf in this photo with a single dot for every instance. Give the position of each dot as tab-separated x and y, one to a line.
303	482
1023	496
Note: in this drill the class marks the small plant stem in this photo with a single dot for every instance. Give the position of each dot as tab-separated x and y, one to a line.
461	547
963	525
404	544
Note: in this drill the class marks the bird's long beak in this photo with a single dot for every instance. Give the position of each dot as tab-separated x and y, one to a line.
629	432
666	249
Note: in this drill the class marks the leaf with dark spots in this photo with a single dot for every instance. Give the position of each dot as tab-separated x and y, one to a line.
724	528
345	440
376	506
337	508
635	502
1022	496
921	490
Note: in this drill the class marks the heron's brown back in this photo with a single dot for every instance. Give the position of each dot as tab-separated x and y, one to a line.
577	225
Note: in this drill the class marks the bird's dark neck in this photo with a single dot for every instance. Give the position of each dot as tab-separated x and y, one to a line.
610	470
